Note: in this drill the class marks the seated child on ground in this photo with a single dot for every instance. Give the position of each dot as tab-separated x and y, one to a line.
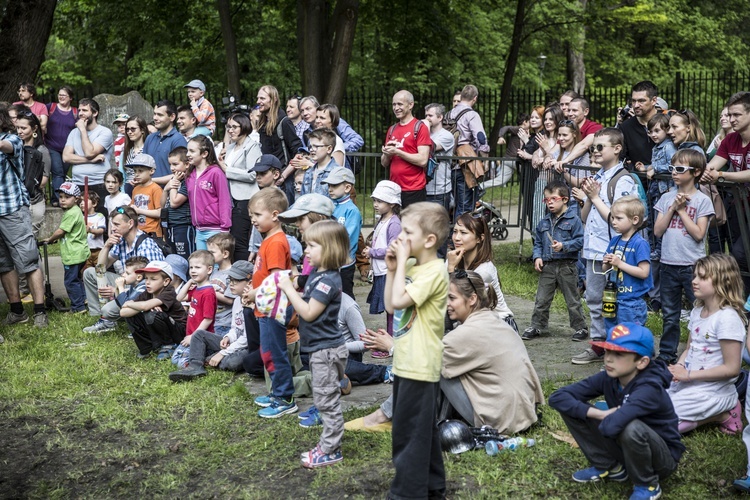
202	298
639	422
128	286
156	330
221	246
227	352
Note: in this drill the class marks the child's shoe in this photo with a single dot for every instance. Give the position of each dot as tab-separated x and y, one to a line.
388	375
645	492
305	414
313	418
316	458
278	408
263	401
742	484
592	474
581	335
166	352
187	373
101	326
530	333
379	354
733	424
345	385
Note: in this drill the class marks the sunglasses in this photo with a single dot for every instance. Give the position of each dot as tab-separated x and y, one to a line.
680	169
122	211
132	129
462	274
566	123
553	199
597	147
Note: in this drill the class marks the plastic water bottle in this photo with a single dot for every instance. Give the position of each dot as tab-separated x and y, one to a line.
101	281
495	447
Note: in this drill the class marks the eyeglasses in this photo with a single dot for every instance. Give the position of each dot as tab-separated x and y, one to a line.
553	199
598	147
313	147
132	129
593	267
680	169
462	274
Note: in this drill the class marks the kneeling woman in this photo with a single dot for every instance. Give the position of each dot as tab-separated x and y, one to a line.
487	376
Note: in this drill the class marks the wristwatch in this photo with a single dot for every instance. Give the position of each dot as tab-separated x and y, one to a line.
721	177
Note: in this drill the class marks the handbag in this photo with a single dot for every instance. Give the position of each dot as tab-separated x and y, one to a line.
720	215
473	170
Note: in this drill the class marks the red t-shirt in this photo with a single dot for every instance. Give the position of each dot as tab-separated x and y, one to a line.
408	176
731	149
274	253
202	305
589	127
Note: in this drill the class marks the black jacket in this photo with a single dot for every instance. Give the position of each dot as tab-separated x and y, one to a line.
271	145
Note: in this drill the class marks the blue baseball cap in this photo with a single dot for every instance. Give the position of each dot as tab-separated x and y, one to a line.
195	84
179	265
628	337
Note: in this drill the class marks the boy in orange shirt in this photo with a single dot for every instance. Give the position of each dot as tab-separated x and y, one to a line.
146	199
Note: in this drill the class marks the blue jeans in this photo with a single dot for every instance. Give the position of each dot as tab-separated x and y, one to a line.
202	236
275	358
74	287
58	169
363	373
182	238
463	196
674	280
628	311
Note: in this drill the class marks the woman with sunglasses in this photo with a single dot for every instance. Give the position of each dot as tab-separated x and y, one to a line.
29	129
686	132
237	161
542	159
62	119
136	131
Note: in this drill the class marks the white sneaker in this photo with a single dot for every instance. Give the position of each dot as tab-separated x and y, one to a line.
101	326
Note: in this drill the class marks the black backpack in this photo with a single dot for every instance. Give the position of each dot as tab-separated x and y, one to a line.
33	162
165	247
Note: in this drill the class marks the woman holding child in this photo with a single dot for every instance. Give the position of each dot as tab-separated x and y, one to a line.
548	150
237	162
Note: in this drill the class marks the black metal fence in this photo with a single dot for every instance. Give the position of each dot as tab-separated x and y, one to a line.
368	109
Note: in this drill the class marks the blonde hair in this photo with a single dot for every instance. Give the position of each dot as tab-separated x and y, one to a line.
333	240
724	272
206	258
271	199
313	217
224	242
431	219
631	206
269	120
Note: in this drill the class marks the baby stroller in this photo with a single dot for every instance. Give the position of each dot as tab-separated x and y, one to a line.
493	217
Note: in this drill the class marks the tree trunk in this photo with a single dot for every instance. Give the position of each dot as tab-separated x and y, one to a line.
510	70
230	48
576	65
24	30
324	45
342	42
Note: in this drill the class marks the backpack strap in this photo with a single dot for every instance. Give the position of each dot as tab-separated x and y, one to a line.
462	113
52	107
612	184
138	241
280	134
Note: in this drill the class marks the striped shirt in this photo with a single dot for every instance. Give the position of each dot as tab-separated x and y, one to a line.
13	194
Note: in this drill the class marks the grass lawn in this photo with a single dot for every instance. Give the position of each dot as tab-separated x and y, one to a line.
82	417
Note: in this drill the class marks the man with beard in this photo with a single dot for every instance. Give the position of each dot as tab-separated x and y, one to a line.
638	145
27	95
164	140
89	149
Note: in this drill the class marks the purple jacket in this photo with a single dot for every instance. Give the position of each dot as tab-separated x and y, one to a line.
210	201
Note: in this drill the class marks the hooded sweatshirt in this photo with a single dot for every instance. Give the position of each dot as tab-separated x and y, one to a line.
644	398
210	201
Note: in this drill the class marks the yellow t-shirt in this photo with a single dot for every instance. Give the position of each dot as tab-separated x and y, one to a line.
418	329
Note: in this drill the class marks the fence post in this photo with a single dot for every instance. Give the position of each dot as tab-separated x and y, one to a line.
678	89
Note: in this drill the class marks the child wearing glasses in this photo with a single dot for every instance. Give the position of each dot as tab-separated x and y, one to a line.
559	238
320	144
682	224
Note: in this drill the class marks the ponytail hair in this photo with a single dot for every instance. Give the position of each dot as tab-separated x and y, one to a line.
468	283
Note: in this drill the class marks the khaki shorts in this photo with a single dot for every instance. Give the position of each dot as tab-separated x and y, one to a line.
18	248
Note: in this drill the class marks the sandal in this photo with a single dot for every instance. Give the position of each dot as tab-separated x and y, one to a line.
733	423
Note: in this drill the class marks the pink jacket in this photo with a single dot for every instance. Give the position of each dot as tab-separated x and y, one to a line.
210	201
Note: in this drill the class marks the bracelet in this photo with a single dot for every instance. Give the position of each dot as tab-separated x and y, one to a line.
390	351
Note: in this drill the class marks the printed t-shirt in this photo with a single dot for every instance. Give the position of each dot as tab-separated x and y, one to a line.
202	306
73	246
418	329
409	177
635	251
148	198
322	332
219	280
678	248
97	221
169	304
273	253
731	149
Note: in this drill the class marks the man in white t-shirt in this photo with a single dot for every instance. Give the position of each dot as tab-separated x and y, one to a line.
89	149
439	188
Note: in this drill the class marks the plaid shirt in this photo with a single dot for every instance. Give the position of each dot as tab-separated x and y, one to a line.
13	194
147	249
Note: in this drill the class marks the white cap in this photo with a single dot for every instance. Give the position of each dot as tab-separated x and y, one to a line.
387	191
156	266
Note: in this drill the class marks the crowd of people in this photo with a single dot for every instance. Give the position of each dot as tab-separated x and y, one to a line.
197	246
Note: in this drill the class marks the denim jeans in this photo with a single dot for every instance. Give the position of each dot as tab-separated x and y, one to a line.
463	196
74	287
674	280
629	311
202	236
362	373
58	169
182	238
273	351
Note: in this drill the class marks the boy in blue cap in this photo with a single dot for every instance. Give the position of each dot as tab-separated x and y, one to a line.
636	435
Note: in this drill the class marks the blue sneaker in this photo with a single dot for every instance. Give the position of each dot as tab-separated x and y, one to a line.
316	458
313	419
742	484
263	401
592	474
645	492
305	414
277	408
166	352
388	375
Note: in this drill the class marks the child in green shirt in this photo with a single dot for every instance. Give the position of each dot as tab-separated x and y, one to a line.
74	249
